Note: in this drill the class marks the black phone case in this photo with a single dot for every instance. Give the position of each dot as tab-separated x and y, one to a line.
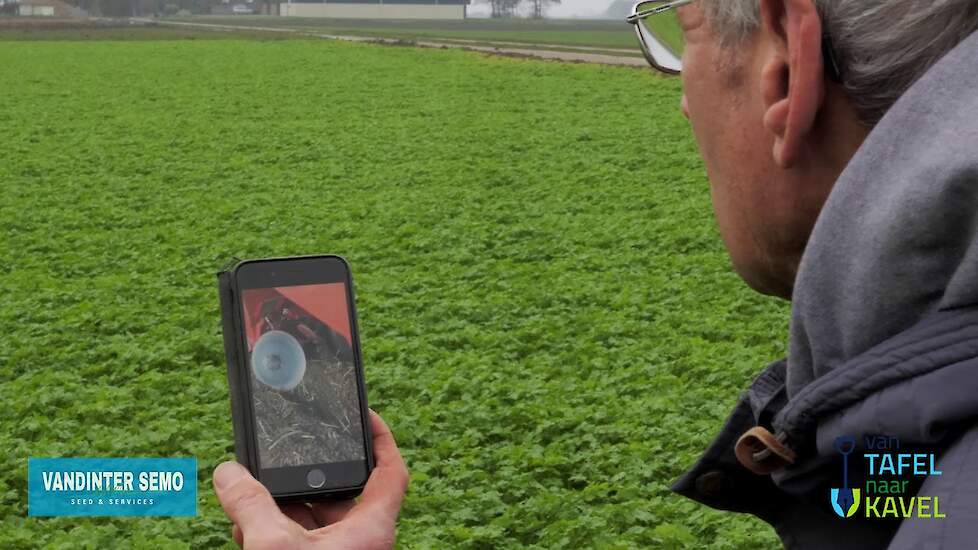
244	439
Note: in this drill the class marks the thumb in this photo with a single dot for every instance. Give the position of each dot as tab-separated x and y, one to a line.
248	503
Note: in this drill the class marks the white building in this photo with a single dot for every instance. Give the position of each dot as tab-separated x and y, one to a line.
45	8
376	9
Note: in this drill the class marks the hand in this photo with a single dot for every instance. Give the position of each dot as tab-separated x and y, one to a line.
260	524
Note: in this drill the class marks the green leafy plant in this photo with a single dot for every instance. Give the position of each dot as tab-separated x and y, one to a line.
550	323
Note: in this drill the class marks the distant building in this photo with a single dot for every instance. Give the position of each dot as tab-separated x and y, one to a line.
243	8
376	9
46	8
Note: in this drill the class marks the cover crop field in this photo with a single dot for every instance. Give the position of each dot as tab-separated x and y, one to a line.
549	320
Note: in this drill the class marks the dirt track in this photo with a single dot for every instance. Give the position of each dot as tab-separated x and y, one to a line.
564	53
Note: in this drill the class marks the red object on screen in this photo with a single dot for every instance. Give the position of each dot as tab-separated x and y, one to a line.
325	302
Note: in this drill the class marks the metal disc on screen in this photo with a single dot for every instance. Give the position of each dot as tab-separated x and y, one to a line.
278	360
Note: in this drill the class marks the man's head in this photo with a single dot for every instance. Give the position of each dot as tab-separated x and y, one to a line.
774	128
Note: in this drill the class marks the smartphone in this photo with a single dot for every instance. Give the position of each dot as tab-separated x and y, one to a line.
298	399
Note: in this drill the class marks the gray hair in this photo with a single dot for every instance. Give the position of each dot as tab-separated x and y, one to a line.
882	46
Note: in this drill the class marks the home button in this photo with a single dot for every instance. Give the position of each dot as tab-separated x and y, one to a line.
316	478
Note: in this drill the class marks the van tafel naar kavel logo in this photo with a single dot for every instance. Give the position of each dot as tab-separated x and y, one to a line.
888	491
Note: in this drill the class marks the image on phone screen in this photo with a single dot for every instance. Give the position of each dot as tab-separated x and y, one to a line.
303	375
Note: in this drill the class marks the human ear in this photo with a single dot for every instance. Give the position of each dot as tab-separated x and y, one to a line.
792	76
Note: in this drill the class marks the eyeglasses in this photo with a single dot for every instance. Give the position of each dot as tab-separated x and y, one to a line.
659	33
661	36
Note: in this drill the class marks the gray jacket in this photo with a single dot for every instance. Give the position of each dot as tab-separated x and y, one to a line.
884	339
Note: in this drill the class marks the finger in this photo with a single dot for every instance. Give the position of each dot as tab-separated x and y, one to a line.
249	504
389	480
328	513
236	534
301	514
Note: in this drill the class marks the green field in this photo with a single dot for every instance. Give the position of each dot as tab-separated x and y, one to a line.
549	320
583	33
71	31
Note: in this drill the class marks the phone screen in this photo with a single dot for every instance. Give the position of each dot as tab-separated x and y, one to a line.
304	379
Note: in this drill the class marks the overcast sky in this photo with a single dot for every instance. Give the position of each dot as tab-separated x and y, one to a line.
567	8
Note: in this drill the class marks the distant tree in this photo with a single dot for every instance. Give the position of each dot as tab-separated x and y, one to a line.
114	8
620	9
503	8
93	7
538	7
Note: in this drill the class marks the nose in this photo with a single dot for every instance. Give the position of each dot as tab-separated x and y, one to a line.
684	104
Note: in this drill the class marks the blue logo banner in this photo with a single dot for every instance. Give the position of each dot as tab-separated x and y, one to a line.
112	487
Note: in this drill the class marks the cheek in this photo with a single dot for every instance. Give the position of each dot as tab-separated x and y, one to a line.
698	107
720	124
721	119
696	100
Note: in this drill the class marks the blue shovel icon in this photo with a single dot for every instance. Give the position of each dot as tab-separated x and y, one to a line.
845	445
